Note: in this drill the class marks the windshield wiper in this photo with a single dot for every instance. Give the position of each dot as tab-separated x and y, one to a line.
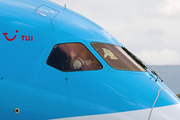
157	76
142	64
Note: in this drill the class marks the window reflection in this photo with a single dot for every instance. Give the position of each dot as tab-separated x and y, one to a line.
72	57
116	57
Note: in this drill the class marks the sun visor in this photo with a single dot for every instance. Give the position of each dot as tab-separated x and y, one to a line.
47	12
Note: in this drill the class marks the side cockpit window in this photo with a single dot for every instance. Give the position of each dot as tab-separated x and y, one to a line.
72	57
117	57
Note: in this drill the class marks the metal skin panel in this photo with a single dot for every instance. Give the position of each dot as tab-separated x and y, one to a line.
42	92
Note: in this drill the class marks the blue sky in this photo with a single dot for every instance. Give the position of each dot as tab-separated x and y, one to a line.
148	28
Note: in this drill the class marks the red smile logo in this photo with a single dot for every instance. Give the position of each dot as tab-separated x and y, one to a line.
24	37
5	34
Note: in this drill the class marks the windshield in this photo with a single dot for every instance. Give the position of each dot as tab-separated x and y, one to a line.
73	57
116	57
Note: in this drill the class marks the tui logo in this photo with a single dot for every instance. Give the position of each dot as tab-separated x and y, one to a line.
24	37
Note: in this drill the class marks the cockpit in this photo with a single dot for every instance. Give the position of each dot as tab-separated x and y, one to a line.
69	57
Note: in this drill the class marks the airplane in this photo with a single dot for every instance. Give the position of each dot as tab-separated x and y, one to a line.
44	48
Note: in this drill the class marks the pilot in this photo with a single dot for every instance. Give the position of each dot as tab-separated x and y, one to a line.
81	62
102	53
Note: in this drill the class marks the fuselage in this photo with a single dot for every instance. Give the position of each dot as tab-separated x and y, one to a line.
33	83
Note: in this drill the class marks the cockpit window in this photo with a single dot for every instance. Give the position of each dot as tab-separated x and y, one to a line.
117	57
72	57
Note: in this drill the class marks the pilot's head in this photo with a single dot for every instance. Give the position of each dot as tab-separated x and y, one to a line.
101	52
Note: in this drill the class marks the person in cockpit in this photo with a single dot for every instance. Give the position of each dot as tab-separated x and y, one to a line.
102	53
81	62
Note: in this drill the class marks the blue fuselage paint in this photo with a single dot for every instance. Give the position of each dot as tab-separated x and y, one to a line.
42	92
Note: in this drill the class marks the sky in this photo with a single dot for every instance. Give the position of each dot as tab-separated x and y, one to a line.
148	28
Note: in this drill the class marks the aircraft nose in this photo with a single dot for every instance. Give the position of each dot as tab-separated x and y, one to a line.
168	112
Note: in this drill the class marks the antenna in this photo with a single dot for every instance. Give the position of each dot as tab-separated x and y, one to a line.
64	6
